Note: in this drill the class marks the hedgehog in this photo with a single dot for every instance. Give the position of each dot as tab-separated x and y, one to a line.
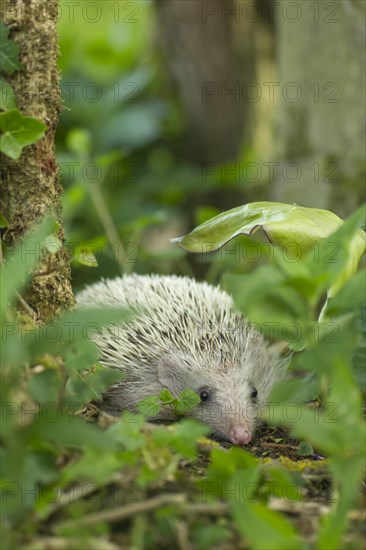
184	334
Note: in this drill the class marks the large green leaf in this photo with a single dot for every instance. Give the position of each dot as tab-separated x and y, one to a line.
9	52
285	225
18	131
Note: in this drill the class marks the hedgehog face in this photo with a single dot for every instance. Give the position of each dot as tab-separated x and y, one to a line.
231	393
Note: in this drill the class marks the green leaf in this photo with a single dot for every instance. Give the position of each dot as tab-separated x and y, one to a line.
188	399
224	466
18	267
166	397
45	386
149	406
85	257
79	329
187	431
350	297
98	465
9	52
304	449
346	472
207	537
338	254
338	428
263	528
18	131
289	227
7	96
283	224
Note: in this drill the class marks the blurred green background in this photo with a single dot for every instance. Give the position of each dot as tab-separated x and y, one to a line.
177	110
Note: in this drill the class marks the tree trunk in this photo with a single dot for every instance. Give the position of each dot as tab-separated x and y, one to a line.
208	49
321	142
30	186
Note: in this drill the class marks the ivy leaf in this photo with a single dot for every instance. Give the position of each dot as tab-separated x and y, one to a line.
18	131
7	96
9	52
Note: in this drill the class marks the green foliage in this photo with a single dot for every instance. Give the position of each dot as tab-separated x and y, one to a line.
17	131
132	135
122	132
49	372
285	300
287	226
186	401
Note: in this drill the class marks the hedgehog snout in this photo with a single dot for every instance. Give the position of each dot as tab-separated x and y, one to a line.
240	435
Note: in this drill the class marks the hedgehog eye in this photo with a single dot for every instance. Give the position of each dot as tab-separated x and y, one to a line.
204	395
253	393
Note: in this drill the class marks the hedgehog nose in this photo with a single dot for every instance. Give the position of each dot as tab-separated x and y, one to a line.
240	435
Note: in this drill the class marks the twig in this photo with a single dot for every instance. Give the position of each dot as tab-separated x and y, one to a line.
124	512
183	536
26	306
109	226
83	490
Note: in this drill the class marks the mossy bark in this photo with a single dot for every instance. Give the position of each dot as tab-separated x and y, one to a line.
30	186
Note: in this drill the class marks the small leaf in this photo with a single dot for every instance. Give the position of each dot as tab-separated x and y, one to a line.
149	406
7	96
85	257
18	131
166	397
304	449
188	399
9	52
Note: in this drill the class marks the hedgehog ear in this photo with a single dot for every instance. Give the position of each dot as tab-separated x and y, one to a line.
170	375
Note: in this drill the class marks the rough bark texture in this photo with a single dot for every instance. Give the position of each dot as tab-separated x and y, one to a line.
322	51
208	50
30	186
